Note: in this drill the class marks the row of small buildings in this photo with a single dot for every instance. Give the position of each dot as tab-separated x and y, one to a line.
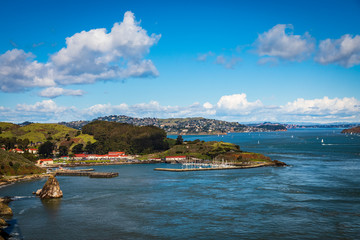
115	156
18	150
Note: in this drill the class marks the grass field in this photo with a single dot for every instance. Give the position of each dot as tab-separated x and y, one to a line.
41	132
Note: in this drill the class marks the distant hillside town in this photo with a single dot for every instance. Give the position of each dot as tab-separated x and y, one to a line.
186	126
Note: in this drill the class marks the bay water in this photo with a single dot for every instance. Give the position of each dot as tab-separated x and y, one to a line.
316	197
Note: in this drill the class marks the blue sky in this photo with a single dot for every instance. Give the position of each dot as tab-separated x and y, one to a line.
245	61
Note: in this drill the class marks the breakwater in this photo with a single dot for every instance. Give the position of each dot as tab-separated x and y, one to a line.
212	168
87	173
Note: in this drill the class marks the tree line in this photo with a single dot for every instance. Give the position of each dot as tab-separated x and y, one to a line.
113	136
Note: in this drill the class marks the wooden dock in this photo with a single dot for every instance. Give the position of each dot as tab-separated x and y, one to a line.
87	173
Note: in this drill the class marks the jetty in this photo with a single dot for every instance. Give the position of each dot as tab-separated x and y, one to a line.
218	167
87	173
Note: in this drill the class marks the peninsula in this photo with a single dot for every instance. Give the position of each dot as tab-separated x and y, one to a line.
354	130
27	151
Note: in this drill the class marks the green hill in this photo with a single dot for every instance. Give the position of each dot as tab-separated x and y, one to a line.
113	136
5	126
41	132
217	151
200	149
16	164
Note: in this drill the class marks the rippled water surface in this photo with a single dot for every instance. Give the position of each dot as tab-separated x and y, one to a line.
318	196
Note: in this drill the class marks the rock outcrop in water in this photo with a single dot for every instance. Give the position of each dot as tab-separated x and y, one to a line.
5	213
5	210
51	189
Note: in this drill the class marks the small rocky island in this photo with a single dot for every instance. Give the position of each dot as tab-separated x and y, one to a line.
51	189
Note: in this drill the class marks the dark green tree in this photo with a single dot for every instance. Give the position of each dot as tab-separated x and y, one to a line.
45	149
179	140
90	147
63	151
78	148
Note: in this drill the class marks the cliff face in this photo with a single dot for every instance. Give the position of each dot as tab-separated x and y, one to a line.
51	189
355	130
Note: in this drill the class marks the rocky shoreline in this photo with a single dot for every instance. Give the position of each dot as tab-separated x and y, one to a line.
5	214
7	180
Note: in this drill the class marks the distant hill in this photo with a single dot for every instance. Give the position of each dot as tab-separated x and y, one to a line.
185	126
354	130
41	132
16	164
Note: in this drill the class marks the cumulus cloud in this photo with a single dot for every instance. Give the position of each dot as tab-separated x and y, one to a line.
278	43
344	51
53	92
44	106
237	104
117	54
234	107
18	70
87	57
323	106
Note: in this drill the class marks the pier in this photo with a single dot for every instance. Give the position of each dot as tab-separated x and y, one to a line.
86	173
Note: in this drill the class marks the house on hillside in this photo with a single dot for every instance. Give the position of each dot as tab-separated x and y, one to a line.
32	150
17	150
44	162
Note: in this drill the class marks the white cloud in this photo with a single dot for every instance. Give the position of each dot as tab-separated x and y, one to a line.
53	92
43	107
88	56
237	104
234	107
323	106
117	54
344	51
208	105
287	46
18	70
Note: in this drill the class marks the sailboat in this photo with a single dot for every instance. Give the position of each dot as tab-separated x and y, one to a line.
322	141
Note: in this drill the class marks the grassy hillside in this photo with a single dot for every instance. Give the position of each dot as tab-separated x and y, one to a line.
198	149
16	164
41	132
212	150
5	126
